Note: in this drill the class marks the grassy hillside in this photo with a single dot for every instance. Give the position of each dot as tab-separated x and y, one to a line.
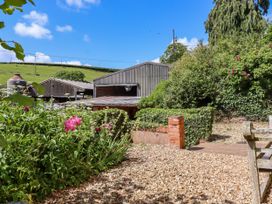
45	71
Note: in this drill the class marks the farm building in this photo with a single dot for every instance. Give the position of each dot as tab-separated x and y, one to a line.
62	90
137	81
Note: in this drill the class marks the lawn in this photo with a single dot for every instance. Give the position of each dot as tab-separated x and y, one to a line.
44	72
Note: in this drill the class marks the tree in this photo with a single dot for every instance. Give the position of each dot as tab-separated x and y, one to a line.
8	7
173	53
70	75
236	17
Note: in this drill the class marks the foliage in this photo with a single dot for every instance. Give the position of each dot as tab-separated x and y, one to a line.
156	99
246	87
173	53
38	156
70	75
235	18
194	80
110	117
8	7
198	122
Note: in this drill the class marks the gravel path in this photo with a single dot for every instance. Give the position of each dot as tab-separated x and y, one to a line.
157	174
231	132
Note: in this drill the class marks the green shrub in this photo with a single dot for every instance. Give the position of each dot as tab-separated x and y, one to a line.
198	122
109	117
70	75
37	156
156	99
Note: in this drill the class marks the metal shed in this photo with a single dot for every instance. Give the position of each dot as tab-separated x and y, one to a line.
137	81
61	89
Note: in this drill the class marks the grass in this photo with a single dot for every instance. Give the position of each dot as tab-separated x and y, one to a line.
44	72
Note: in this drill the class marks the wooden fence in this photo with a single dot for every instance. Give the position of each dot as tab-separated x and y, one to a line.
259	158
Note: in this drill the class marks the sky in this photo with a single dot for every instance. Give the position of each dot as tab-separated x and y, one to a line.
104	33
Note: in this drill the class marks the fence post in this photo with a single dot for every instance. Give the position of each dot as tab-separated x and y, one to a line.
249	136
176	132
270	121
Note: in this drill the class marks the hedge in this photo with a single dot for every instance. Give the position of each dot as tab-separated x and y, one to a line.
198	122
37	156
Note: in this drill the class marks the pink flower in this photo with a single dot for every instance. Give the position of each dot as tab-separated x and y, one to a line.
72	123
107	126
76	120
26	109
97	129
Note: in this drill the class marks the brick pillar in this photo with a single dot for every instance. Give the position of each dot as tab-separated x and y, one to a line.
176	132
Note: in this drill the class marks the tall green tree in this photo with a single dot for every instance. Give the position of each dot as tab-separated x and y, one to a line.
236	17
8	7
173	53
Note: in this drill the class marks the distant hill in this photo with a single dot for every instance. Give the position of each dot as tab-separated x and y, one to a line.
44	71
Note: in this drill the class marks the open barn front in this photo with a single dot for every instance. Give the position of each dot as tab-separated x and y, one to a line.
118	90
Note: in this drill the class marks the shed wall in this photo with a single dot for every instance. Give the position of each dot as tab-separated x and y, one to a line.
147	76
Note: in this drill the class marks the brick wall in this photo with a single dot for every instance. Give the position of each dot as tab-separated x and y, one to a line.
174	136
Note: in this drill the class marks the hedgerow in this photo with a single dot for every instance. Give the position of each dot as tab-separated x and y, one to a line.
198	122
43	150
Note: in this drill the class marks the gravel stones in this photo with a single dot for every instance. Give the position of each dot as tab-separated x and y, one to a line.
159	174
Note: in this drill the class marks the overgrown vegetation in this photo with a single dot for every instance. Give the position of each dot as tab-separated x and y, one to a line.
70	75
198	122
42	150
232	73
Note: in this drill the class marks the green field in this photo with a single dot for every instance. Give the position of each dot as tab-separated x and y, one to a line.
44	72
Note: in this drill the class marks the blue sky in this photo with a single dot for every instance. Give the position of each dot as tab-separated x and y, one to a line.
105	33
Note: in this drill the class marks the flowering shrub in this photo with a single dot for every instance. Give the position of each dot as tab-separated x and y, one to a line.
39	155
72	123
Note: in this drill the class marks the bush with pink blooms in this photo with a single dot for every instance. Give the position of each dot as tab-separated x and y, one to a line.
43	150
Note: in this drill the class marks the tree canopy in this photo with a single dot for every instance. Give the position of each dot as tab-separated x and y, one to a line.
8	7
231	17
173	53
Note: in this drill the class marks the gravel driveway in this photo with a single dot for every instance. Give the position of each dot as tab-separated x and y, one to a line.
157	174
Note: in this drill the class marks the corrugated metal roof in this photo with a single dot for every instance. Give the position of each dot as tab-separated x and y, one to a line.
78	84
133	67
109	102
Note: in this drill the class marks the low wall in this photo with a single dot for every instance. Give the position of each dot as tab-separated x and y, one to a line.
172	135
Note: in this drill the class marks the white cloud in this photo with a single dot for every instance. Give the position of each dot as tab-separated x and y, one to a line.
75	62
38	18
86	38
6	55
191	44
157	60
66	28
81	3
38	57
36	28
33	30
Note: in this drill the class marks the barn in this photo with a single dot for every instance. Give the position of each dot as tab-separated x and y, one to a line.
137	81
63	90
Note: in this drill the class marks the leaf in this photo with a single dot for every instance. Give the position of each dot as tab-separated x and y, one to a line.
2	24
3	142
17	49
20	99
39	88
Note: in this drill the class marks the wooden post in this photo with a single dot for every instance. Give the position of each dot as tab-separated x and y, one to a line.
270	121
249	136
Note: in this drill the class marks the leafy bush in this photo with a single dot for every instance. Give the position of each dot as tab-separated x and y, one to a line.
198	122
156	99
38	156
109	117
70	75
